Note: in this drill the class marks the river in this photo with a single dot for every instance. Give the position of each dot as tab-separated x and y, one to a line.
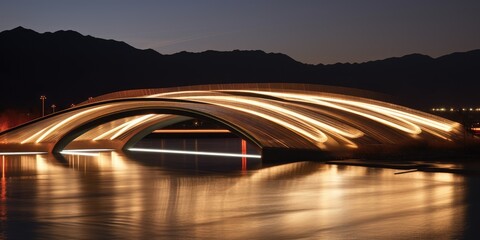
120	195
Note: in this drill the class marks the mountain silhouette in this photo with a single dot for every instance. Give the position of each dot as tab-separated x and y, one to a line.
69	67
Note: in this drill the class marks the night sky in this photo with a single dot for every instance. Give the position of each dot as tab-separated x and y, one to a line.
308	31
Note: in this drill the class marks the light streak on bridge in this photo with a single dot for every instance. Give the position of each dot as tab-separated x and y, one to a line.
219	154
20	153
272	116
192	131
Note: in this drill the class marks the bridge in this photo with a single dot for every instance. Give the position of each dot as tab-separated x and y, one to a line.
278	118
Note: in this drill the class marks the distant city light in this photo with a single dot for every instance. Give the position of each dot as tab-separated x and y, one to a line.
452	109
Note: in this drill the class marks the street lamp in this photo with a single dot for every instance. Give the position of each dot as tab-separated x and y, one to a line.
53	108
43	104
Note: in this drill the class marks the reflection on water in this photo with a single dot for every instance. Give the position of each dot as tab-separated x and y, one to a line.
176	197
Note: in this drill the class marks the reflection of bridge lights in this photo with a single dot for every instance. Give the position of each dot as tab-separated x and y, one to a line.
194	152
41	164
79	153
85	152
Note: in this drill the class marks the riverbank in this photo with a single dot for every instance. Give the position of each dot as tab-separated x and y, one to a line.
470	166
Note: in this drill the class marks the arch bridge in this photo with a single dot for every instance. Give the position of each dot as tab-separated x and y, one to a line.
276	117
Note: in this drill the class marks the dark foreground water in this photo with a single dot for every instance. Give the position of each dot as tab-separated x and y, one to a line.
168	196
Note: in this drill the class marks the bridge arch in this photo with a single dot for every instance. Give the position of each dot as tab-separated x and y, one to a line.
176	114
272	116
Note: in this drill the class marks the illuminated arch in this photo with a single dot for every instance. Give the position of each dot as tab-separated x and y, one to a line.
273	116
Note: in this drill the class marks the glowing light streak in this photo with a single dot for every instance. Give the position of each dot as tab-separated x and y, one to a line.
372	107
67	152
131	124
408	127
175	93
69	119
390	111
414	129
90	150
437	134
110	131
125	125
193	152
285	112
191	131
21	153
33	136
321	138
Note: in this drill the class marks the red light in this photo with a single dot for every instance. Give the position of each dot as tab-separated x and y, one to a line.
244	152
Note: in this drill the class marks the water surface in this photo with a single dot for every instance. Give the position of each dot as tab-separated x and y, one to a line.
145	196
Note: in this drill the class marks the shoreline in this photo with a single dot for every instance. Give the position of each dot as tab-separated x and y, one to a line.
463	167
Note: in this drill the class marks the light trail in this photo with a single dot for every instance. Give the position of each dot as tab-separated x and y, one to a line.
21	153
394	112
33	136
290	125
221	154
320	138
131	124
286	112
101	136
66	152
191	131
90	150
176	93
373	107
126	126
69	119
407	127
398	119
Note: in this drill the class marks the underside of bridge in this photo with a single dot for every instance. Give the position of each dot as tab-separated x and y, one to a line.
281	119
